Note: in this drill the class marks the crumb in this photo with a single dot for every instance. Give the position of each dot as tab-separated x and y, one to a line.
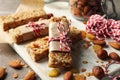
102	62
15	75
83	69
84	22
79	77
86	46
84	62
74	70
26	66
97	61
88	74
22	63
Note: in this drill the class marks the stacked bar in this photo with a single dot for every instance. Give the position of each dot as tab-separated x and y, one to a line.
17	19
30	31
38	49
59	43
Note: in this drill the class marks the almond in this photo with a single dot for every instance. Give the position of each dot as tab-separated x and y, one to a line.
15	64
115	45
98	72
99	42
114	56
102	54
2	71
68	75
29	76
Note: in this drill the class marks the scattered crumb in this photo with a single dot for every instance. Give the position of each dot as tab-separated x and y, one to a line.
83	69
53	73
102	62
79	77
15	75
86	46
22	63
97	61
75	70
88	74
84	62
26	66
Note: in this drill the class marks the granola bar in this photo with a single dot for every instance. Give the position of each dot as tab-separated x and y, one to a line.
38	49
17	19
29	31
59	47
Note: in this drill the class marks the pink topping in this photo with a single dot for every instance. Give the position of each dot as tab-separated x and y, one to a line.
103	28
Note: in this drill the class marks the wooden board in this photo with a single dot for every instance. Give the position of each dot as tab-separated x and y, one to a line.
80	54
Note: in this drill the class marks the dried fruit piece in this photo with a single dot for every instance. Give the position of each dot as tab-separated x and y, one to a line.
102	54
2	71
53	73
30	75
115	45
79	77
90	36
68	75
99	42
83	34
15	63
98	72
15	75
114	56
96	47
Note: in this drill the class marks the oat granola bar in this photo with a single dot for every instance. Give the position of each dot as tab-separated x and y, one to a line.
59	43
17	19
38	49
29	31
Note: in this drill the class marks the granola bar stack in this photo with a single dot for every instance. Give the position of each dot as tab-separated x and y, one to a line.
59	43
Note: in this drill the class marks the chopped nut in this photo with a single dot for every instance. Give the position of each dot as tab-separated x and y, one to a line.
79	77
53	73
15	75
86	46
84	62
83	69
30	75
2	71
97	61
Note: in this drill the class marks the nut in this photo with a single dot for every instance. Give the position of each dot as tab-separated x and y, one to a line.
115	45
102	54
2	71
53	73
15	63
99	42
90	36
98	72
114	56
30	75
68	75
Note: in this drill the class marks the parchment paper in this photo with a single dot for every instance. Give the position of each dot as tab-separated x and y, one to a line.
26	5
